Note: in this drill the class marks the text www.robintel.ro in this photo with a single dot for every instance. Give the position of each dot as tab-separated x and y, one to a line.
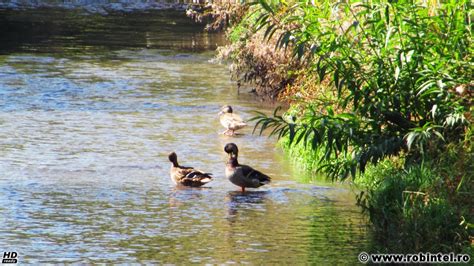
417	258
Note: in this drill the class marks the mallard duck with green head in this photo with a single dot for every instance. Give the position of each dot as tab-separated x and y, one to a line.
242	175
230	121
187	176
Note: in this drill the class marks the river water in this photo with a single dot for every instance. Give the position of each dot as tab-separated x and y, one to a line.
91	105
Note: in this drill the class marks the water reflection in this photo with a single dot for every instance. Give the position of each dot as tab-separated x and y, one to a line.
73	33
181	196
236	200
84	138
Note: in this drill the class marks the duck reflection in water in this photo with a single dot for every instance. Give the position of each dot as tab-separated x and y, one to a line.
182	195
250	200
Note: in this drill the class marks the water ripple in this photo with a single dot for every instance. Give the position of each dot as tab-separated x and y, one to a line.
84	139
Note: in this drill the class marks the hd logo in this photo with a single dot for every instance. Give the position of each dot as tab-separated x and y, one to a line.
10	257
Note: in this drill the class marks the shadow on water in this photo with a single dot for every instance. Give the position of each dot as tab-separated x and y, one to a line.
73	32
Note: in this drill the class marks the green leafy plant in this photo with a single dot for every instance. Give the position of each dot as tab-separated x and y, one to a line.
394	67
416	209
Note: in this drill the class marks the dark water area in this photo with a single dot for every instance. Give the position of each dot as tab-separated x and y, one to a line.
61	31
90	106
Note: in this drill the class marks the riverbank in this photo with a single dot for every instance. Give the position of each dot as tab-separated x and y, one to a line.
376	99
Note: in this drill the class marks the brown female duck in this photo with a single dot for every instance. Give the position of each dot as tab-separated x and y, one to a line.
187	176
230	121
242	175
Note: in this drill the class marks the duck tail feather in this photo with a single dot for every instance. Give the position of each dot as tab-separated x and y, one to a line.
264	179
205	180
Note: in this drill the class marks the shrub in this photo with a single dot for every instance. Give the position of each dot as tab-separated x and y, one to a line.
396	68
424	207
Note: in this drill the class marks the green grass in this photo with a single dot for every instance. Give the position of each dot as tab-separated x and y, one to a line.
416	208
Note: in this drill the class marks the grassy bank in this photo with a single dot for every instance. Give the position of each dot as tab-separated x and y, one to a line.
380	93
425	207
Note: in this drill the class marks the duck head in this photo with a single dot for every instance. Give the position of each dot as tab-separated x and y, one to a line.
226	109
232	150
173	158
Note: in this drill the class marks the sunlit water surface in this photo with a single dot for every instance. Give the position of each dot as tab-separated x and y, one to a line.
88	114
